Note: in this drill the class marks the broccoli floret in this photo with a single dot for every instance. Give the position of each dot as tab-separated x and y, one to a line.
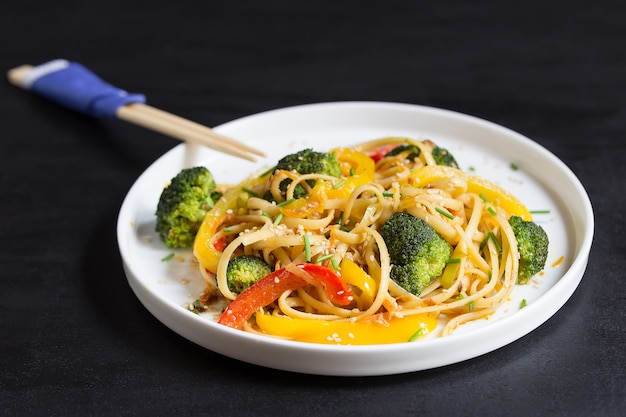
532	243
183	205
440	155
245	270
308	161
414	151
443	157
418	253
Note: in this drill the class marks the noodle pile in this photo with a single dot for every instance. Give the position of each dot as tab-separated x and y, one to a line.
338	225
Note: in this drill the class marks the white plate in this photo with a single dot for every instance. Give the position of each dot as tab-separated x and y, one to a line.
542	182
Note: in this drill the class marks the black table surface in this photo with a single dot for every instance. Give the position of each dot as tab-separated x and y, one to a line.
74	338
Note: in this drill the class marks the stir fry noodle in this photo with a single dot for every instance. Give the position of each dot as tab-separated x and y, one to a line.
331	264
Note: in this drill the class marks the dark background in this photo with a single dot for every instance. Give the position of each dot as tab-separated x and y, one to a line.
76	341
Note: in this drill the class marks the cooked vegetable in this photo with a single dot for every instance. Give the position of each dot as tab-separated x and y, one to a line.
532	243
418	253
443	157
308	161
269	288
244	271
183	205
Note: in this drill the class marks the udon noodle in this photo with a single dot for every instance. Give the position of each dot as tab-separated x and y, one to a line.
337	225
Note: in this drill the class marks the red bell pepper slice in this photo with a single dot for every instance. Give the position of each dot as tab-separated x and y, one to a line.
269	288
380	152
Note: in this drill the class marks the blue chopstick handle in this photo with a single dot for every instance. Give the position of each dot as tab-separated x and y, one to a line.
72	85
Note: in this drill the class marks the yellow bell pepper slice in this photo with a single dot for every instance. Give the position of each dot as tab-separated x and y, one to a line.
206	254
357	167
494	193
301	208
353	274
365	332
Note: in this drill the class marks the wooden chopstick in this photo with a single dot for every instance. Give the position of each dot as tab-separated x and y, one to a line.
184	129
167	123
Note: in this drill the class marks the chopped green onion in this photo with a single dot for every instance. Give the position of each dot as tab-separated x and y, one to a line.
416	335
344	228
351	171
523	303
339	184
340	218
489	275
307	248
323	258
251	192
266	173
493	237
470	305
387	194
335	264
278	219
472	169
514	166
492	211
444	213
286	202
539	211
265	214
168	257
483	197
227	229
454	261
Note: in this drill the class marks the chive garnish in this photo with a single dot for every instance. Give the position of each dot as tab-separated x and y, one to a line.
483	197
265	214
492	211
335	264
444	213
454	261
168	257
286	202
339	184
251	192
387	194
514	166
416	335
323	258
491	236
523	303
278	219
307	248
269	171
539	211
470	305
227	229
